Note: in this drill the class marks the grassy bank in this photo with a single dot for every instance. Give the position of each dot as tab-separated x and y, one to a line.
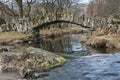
11	36
107	37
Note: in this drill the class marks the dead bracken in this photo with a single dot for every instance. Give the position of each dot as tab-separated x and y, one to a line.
106	37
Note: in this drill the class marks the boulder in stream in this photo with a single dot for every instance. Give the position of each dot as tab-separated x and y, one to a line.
33	62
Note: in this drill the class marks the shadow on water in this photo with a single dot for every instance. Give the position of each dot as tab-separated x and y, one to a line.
67	44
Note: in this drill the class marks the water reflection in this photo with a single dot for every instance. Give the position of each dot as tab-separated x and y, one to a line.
76	45
66	44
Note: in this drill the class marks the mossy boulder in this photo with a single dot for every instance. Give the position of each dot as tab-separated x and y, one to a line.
40	58
29	61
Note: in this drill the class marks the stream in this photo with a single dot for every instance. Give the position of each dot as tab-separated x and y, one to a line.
85	64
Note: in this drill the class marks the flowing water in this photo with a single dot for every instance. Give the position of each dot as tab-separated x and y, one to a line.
85	65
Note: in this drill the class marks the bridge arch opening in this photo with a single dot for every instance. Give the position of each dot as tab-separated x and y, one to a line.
36	30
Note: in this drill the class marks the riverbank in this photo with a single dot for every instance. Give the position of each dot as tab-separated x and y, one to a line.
24	61
11	37
106	37
16	37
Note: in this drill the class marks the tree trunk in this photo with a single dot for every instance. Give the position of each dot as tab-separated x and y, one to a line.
20	7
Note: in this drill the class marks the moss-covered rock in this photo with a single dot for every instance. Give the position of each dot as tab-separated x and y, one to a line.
29	61
40	58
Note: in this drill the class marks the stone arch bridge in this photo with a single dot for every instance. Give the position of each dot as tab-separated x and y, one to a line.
45	25
25	25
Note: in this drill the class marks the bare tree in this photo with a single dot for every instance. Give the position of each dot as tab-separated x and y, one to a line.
90	9
29	3
103	7
5	9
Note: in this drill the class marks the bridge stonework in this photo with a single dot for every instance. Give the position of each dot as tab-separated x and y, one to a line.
26	25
